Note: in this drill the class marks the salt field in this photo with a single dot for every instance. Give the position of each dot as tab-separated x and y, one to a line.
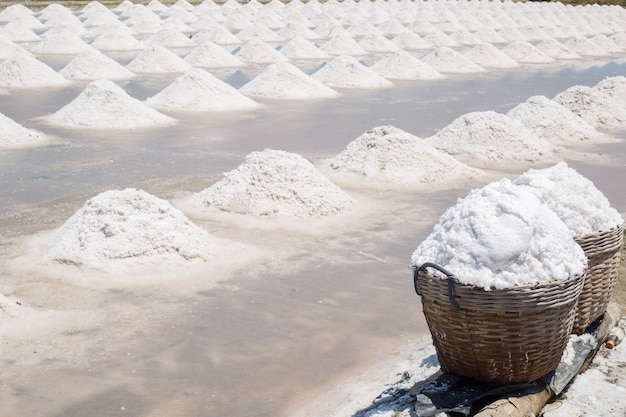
210	209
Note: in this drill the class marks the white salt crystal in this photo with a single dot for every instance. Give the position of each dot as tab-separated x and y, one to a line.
156	59
276	183
489	35
105	105
465	37
525	53
129	226
285	81
9	48
16	136
490	139
552	121
488	56
258	52
607	44
501	236
391	155
26	71
439	39
362	28
15	11
597	107
299	30
346	72
200	91
614	87
573	197
404	66
17	32
94	65
447	60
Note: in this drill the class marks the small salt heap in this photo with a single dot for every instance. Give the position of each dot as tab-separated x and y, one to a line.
59	42
105	105
170	38
583	46
391	155
614	87
573	197
276	183
525	53
411	41
26	71
16	136
343	44
285	81
300	48
9	48
489	139
447	60
211	55
257	51
501	236
94	65
346	72
555	49
156	59
488	56
18	31
598	108
117	42
129	227
377	43
200	91
552	121
403	66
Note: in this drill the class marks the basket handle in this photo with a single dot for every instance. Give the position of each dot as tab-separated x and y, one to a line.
451	281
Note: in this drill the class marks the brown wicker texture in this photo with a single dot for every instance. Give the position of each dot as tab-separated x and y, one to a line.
502	337
603	255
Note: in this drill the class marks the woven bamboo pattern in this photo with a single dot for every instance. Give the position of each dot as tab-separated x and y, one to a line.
603	257
501	337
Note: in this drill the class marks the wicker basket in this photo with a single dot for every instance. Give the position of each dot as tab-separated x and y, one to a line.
603	257
502	337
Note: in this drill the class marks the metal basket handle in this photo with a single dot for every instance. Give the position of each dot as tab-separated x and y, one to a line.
451	281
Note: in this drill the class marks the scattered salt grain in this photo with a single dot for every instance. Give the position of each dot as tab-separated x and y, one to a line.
276	183
501	236
574	198
447	60
346	72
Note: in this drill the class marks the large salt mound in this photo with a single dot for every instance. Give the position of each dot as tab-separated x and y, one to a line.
26	71
343	44
488	56
200	91
525	53
211	55
490	139
156	59
276	183
447	60
117	42
257	51
300	48
403	66
285	81
105	105
502	236
130	227
552	121
346	72
391	155
597	108
573	197
16	136
94	65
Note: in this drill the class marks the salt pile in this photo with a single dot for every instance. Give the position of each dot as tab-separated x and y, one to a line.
404	66
597	108
211	55
117	42
525	53
170	38
26	71
501	236
490	139
285	81
276	183
584	47
16	32
346	72
573	197
488	56
105	105
156	59
377	43
218	35
130	227
258	52
447	60
555	49
552	121
391	155
411	41
300	48
465	37
200	91
343	44
94	65
614	87
297	30
439	39
258	32
8	48
15	136
606	44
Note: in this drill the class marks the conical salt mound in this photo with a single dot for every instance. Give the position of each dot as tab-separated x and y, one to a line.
377	43
9	48
26	71
607	44
585	47
131	227
346	72
555	49
411	41
488	56
300	48
156	59
200	91
297	30
285	81
218	35
105	105
404	66
211	55
343	44
276	183
525	53
491	140
257	51
117	42
16	32
552	121
597	107
170	38
447	60
391	155
614	87
94	65
15	136
259	32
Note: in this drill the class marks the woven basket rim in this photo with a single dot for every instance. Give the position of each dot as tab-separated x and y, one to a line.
600	232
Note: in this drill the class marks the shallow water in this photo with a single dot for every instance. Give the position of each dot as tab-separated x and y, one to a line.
275	334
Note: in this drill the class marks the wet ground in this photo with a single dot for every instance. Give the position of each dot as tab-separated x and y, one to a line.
274	333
